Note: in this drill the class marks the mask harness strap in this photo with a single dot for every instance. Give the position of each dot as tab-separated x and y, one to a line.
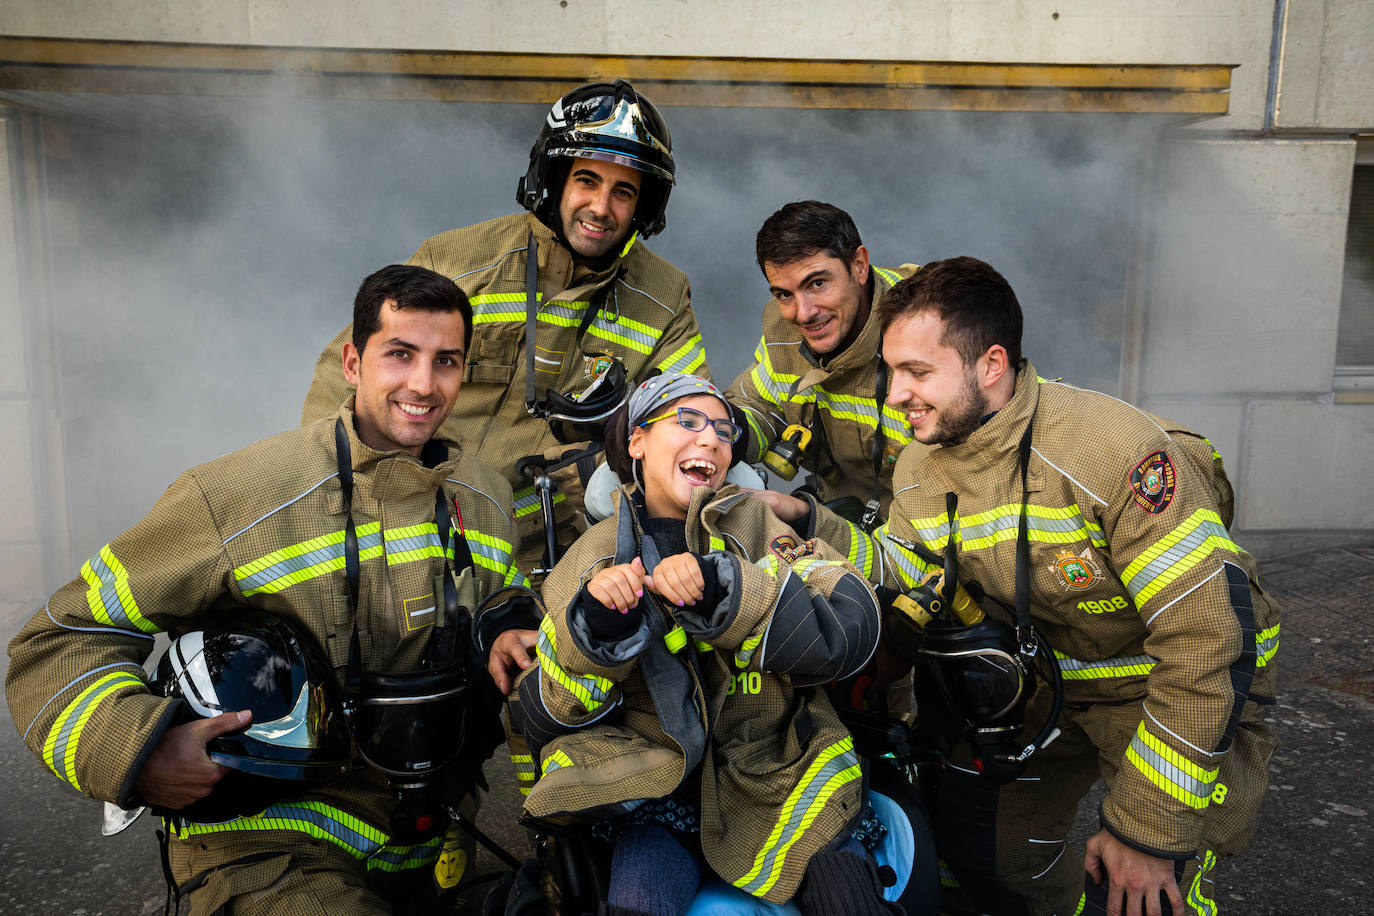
871	510
344	455
531	323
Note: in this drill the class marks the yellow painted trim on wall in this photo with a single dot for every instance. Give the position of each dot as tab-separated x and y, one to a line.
82	65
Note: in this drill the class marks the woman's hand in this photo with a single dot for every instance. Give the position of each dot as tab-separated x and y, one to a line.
620	587
677	579
784	505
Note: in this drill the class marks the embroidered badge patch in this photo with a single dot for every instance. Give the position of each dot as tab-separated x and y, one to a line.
1152	483
1076	570
790	549
595	366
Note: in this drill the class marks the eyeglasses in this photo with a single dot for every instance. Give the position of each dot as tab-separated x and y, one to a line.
696	421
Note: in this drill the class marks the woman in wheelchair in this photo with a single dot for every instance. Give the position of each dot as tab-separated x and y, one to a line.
678	707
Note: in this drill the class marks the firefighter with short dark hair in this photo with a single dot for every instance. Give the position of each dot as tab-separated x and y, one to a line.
362	535
1115	522
814	394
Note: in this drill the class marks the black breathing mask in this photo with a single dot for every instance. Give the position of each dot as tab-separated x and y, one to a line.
987	669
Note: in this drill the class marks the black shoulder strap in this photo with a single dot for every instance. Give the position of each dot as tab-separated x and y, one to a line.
343	454
531	319
1023	618
871	510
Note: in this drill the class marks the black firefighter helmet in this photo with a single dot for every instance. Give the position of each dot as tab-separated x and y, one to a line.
610	122
298	739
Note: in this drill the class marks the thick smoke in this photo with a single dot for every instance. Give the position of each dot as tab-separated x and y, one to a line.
206	249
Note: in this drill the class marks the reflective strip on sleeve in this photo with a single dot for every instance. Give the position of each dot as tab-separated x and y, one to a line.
108	594
403	858
556	761
716	543
686	358
307	560
864	411
590	690
833	768
910	568
525	772
745	653
771	386
1266	644
1121	666
59	750
316	819
1176	553
757	430
1169	770
860	550
769	564
888	274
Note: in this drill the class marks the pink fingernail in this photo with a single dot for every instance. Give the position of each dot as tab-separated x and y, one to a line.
639	593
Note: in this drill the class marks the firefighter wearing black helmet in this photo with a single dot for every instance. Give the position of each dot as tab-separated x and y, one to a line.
597	185
361	534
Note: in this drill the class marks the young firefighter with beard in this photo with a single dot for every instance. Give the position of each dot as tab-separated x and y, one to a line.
560	295
1164	637
678	700
817	372
343	531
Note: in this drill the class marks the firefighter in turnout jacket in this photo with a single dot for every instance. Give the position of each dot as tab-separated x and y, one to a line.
265	527
813	396
599	177
678	694
1165	640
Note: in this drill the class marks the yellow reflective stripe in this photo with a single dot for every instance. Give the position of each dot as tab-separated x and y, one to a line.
860	552
627	332
489	551
316	819
1176	553
108	596
768	564
525	772
307	560
1169	770
1197	901
59	748
556	761
686	358
1082	902
1073	669
772	386
755	427
403	858
833	768
716	543
703	646
910	568
888	274
1045	524
590	690
486	308
527	501
745	653
412	542
1266	644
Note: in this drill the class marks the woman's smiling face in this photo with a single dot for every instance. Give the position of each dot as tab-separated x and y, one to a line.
674	460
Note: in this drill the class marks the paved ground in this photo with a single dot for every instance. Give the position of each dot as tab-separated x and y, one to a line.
1312	854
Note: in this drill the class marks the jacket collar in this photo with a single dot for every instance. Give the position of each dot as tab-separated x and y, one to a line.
394	474
560	276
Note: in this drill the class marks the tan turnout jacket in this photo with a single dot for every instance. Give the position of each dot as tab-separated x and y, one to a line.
788	384
644	318
730	689
262	526
1134	580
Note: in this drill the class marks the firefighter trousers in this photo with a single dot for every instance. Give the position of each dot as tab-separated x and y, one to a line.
1006	846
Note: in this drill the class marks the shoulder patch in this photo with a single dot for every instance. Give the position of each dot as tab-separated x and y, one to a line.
1152	483
789	548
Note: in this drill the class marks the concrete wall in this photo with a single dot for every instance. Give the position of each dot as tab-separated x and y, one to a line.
1243	252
